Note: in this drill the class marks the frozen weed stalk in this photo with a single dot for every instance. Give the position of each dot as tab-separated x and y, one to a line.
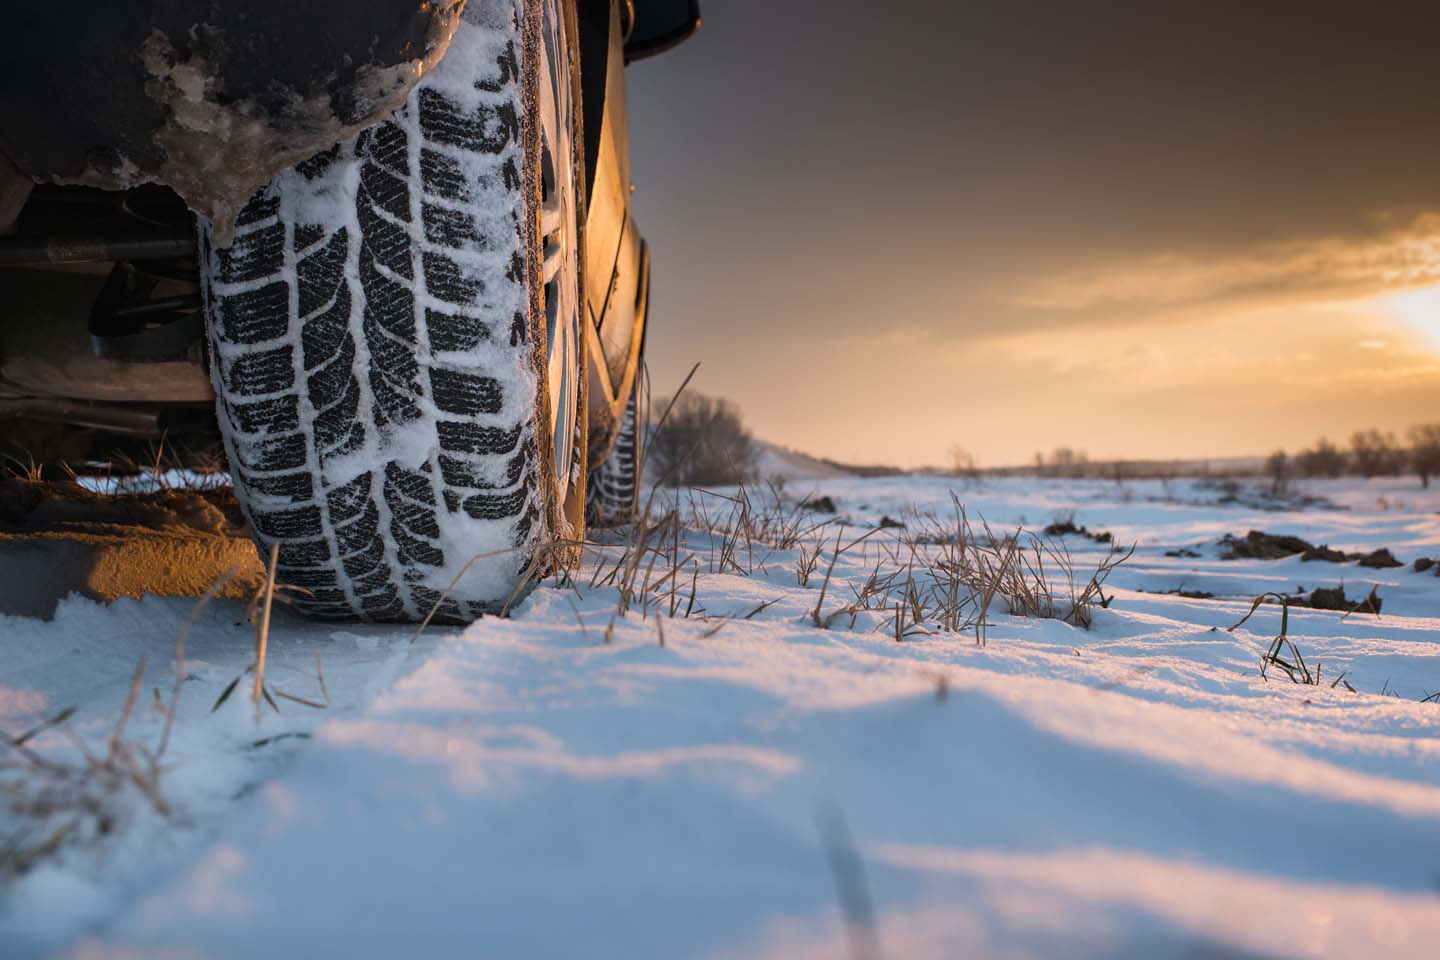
1293	664
258	612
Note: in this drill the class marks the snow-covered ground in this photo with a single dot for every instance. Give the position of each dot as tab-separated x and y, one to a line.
742	783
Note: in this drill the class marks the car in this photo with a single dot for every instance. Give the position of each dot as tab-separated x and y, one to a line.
379	254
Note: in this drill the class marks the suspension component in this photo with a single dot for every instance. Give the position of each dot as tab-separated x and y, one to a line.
154	244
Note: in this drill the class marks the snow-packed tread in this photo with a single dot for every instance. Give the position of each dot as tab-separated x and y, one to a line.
371	347
611	490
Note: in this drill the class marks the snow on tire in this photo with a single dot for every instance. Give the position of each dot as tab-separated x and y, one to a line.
379	342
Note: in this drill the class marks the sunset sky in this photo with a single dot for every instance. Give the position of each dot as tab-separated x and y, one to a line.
1140	229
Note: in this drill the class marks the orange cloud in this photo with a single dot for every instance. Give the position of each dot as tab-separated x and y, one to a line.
1335	267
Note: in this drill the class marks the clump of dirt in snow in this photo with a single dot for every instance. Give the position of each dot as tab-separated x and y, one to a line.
1181	592
1333	598
1261	546
1262	497
1381	559
1268	546
1061	528
67	507
58	538
1327	554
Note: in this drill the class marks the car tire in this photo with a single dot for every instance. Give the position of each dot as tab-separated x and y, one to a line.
612	492
396	340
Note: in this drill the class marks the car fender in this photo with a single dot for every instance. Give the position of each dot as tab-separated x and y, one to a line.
210	98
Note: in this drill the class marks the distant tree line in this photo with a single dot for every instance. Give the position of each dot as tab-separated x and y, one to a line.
704	441
1071	463
1371	454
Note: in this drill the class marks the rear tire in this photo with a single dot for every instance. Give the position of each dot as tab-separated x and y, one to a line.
612	493
395	329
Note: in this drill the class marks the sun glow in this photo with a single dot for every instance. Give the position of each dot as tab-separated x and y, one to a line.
1420	308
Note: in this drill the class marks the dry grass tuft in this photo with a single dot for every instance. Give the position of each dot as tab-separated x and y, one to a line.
963	571
59	803
930	576
162	468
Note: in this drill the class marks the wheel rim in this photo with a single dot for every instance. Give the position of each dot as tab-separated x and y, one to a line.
560	274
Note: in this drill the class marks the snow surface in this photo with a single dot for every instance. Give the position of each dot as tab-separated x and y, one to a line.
524	788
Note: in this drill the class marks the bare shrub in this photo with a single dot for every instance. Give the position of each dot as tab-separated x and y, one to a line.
1425	451
1063	462
1376	453
1277	465
705	442
963	463
1322	460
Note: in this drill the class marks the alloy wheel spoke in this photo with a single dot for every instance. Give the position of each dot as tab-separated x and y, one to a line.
560	256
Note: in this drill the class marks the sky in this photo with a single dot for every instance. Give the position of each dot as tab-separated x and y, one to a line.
1134	228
